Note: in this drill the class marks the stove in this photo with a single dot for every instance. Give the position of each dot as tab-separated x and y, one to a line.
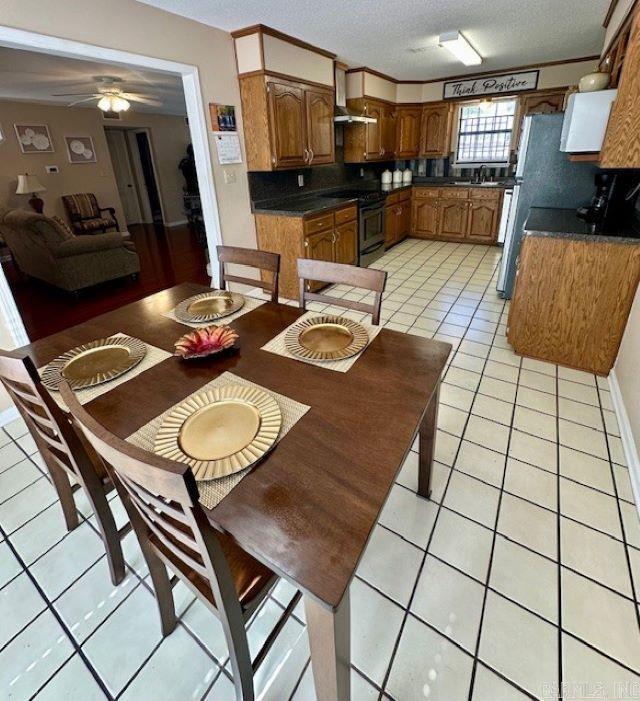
360	195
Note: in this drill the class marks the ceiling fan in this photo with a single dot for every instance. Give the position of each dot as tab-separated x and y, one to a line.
110	95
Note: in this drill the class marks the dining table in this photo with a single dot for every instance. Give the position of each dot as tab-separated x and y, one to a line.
308	508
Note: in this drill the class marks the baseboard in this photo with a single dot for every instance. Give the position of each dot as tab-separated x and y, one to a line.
181	222
626	436
8	415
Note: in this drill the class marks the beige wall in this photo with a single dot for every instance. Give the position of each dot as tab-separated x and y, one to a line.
73	177
627	369
137	28
282	57
615	22
169	141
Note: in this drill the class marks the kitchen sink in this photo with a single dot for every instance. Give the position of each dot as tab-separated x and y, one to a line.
471	184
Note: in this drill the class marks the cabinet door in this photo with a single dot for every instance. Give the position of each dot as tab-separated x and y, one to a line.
388	131
424	217
407	132
543	104
373	132
389	225
404	220
453	218
346	246
320	139
288	125
483	221
435	130
621	148
319	247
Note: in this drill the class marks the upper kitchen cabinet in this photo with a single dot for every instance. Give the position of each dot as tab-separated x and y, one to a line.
542	102
621	148
407	125
435	130
373	141
287	94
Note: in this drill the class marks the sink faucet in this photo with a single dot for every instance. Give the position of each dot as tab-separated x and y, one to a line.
481	174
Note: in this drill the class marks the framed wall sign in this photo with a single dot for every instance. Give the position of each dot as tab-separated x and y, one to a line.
223	117
506	83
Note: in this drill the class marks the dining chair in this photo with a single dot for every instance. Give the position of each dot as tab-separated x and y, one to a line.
340	274
263	260
71	462
161	498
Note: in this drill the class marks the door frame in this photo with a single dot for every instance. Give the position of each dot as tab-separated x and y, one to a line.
21	39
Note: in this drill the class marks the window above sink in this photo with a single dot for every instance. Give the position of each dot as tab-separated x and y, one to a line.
484	133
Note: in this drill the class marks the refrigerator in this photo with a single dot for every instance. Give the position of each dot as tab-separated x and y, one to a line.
545	177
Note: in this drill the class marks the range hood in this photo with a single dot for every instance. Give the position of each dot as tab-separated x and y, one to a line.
343	114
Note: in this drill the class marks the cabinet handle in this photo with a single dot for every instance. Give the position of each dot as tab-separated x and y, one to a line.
310	155
333	237
305	153
306	244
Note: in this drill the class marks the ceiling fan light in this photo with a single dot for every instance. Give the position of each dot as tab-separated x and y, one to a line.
457	45
119	104
104	103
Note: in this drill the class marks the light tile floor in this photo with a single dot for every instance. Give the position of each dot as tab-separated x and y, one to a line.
520	579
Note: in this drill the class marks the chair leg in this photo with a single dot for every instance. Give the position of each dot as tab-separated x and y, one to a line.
162	588
241	665
108	530
63	486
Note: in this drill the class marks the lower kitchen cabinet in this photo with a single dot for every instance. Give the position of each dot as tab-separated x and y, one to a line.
456	213
397	217
572	299
331	236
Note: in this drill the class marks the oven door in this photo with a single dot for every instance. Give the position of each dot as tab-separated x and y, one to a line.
371	233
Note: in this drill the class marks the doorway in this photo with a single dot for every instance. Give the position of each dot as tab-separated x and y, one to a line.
135	174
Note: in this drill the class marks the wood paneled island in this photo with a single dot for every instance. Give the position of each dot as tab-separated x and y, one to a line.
573	292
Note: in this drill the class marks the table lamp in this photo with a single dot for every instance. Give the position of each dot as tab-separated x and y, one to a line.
29	184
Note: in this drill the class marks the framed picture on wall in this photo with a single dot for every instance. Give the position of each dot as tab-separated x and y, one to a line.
80	149
34	138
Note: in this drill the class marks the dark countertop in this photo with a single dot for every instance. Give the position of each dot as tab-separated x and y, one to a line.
564	223
504	184
315	202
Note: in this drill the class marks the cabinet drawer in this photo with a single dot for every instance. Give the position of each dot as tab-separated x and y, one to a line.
318	223
396	197
455	193
485	193
422	192
346	214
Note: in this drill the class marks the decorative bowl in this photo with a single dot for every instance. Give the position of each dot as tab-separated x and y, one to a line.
594	81
205	341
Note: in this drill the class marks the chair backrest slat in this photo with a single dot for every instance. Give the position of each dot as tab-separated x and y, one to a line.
155	502
263	260
338	273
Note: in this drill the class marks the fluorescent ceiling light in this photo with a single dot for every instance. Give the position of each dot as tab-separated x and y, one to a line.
460	48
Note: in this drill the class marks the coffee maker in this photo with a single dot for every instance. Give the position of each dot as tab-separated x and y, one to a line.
615	206
596	212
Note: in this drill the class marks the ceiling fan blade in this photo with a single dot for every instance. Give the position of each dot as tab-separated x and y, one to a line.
84	99
74	94
143	100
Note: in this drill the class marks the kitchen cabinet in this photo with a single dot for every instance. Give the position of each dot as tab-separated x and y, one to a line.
453	216
370	142
320	132
543	103
456	213
287	124
407	125
483	218
621	148
330	235
572	299
397	217
435	130
424	218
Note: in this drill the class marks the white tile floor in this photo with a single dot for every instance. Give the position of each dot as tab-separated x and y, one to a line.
520	579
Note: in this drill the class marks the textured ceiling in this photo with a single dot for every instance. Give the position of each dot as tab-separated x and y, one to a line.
28	75
399	37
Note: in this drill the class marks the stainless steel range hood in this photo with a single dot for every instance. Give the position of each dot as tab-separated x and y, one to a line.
343	114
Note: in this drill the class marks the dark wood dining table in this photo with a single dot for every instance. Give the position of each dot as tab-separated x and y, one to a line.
306	510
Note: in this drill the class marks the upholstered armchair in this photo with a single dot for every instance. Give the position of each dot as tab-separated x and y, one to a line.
45	248
86	216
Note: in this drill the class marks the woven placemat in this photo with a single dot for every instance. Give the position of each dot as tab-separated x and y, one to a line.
250	303
276	345
212	492
152	357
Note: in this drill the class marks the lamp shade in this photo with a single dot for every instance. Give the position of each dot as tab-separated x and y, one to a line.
28	184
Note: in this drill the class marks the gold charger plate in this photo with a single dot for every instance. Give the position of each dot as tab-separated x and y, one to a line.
326	338
94	363
220	431
209	306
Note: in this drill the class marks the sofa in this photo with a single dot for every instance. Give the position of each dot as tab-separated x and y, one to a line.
45	248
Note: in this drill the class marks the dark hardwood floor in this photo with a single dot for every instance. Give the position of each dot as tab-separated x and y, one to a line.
167	257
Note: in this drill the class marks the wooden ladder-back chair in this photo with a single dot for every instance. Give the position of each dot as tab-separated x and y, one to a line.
161	498
65	453
263	260
340	274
